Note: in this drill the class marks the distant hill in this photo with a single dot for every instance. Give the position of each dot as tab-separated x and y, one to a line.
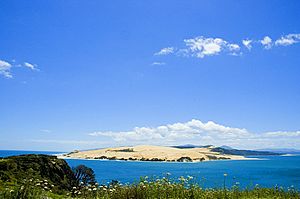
231	151
281	150
227	150
226	147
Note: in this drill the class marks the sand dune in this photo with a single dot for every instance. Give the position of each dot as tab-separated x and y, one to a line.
153	153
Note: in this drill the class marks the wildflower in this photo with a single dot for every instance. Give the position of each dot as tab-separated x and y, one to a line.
74	187
38	184
94	189
11	191
52	185
79	192
190	177
225	174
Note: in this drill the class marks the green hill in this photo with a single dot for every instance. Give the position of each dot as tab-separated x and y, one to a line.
54	171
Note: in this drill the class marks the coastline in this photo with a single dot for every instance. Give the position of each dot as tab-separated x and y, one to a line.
172	162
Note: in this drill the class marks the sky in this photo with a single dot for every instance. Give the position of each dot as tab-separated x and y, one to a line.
80	74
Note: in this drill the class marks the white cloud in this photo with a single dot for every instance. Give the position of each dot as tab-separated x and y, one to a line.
283	134
158	63
201	46
31	66
74	142
201	133
165	51
5	69
266	42
45	130
247	43
288	40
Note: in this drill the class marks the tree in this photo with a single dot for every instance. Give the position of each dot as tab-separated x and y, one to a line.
84	175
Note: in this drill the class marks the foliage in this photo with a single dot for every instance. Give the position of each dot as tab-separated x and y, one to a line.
84	175
17	169
163	188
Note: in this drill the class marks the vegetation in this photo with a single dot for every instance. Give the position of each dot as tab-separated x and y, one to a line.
125	150
84	175
16	169
155	188
37	176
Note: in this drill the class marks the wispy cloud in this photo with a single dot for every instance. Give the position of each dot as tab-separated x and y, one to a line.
201	47
288	40
30	66
266	42
158	63
165	51
45	130
202	133
74	142
283	134
247	43
5	69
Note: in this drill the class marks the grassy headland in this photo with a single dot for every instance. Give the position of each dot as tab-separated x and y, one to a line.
41	176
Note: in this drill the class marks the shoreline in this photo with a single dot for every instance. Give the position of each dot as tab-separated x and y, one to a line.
143	161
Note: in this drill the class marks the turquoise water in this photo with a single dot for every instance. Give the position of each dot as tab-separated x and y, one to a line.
267	172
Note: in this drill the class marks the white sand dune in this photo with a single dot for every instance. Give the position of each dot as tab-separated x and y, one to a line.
153	153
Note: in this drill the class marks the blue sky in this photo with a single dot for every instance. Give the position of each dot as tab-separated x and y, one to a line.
85	74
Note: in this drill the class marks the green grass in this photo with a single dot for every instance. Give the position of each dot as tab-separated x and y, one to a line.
144	189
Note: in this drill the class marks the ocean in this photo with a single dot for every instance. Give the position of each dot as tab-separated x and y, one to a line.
269	171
